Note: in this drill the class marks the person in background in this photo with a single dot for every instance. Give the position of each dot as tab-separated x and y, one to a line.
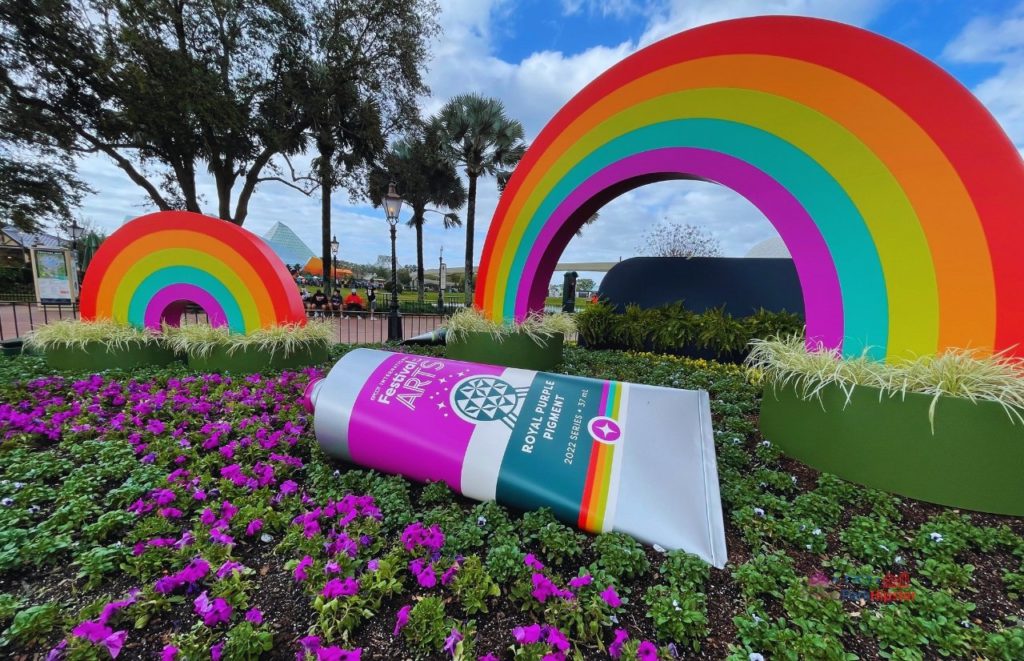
353	302
335	301
319	302
371	298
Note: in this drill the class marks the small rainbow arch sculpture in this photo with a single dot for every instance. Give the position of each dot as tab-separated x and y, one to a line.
898	195
146	272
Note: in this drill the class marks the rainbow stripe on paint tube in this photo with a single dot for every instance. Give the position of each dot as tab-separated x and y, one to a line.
532	439
598	496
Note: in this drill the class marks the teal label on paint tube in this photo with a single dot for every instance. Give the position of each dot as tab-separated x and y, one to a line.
546	461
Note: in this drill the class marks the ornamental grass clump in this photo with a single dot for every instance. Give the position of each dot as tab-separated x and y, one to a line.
968	374
538	327
77	334
198	340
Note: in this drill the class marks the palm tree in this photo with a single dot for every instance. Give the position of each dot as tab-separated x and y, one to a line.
423	177
481	138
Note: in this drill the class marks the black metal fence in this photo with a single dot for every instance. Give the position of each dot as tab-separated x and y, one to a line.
17	319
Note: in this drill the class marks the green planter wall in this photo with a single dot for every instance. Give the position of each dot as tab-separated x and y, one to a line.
511	351
974	460
248	360
97	356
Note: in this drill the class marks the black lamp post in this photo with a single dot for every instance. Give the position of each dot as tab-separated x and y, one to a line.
392	205
440	282
334	256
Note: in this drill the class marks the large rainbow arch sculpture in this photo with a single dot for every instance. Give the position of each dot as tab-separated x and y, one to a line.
898	195
149	269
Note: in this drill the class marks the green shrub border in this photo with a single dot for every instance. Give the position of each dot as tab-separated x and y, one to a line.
673	329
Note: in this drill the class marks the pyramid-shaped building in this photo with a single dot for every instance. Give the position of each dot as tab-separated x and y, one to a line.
287	245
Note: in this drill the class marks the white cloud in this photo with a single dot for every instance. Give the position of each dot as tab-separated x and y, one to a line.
997	40
990	39
677	15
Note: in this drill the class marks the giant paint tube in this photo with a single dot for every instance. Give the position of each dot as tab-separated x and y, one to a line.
603	455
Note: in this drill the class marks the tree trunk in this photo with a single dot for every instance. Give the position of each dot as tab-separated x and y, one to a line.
326	186
225	180
418	221
470	218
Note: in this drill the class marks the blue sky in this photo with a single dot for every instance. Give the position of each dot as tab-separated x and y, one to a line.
535	54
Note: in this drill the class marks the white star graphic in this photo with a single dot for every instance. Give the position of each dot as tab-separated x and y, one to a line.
442	380
605	428
440	405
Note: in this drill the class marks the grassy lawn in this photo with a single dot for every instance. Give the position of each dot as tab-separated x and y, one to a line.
168	513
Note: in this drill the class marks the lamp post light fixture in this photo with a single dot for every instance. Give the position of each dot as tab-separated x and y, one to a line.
393	205
334	256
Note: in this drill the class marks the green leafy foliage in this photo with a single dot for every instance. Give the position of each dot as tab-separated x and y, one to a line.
673	329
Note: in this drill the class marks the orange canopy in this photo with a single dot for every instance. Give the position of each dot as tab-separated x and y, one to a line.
315	266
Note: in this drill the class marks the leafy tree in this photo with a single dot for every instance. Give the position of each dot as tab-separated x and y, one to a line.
164	88
679	240
423	178
357	79
585	284
482	139
35	193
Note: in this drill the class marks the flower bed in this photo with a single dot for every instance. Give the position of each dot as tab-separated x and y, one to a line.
163	514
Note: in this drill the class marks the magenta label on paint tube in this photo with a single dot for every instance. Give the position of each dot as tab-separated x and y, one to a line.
414	393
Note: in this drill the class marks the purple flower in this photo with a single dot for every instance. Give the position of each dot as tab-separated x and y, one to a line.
532	562
553	656
338	654
401	619
288	487
373	565
647	651
212	612
615	649
339	588
300	569
611	597
310	643
544	587
114	606
449	574
451	641
487	657
101	634
254	615
527	635
332	567
219	536
228	567
168	653
580	581
58	650
217	651
254	527
557	639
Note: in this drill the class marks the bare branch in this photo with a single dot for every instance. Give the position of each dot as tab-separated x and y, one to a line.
289	184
